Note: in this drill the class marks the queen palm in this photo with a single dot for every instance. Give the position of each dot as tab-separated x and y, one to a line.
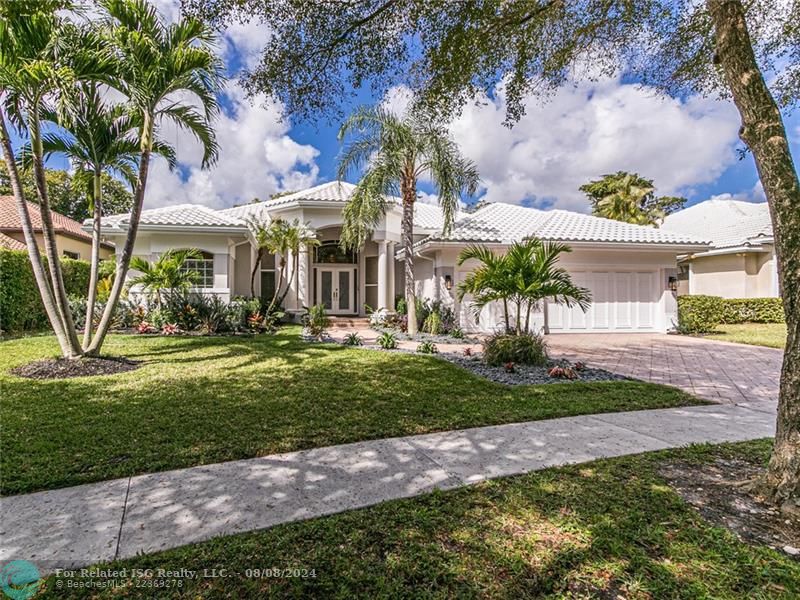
42	54
97	138
167	69
525	276
391	153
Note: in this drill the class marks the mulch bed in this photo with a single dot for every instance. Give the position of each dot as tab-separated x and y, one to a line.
63	368
715	489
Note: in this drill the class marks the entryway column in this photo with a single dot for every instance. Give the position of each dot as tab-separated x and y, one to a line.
383	273
390	286
304	279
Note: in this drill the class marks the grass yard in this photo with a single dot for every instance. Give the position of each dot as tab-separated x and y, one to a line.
772	335
200	400
609	529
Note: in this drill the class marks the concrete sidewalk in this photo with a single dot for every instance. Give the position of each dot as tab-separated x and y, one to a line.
117	519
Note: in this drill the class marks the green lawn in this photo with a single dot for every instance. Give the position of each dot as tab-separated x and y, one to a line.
609	529
200	400
772	335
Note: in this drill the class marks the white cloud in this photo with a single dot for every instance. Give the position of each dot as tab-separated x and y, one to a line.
257	158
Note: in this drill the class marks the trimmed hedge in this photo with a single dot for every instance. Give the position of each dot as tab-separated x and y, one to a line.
21	307
753	310
700	314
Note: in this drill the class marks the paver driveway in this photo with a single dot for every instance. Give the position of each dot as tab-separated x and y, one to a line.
716	371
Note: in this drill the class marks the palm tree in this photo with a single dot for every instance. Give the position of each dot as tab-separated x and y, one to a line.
98	139
525	276
166	69
41	55
391	153
168	273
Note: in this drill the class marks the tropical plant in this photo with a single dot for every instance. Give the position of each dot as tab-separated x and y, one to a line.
525	348
427	347
316	320
43	54
353	339
391	153
387	340
433	324
630	198
214	313
168	273
284	239
168	72
524	276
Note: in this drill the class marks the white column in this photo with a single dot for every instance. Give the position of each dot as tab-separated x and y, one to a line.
383	273
303	279
390	287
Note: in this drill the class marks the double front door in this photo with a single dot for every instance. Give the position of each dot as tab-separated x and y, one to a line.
335	289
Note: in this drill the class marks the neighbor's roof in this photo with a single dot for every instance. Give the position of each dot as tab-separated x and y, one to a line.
178	215
11	243
727	223
505	223
426	216
63	225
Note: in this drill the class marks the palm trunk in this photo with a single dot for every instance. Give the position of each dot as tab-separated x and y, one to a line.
764	133
278	286
519	316
409	191
95	260
254	272
506	315
290	279
124	259
528	318
42	283
74	349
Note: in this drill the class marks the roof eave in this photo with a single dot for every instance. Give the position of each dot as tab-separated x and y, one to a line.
123	228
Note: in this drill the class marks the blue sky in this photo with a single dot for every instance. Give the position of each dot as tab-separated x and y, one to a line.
687	146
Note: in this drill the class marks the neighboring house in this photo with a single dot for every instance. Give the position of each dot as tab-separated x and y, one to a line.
741	260
627	267
71	239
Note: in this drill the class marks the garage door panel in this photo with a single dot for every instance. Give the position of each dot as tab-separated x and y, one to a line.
621	301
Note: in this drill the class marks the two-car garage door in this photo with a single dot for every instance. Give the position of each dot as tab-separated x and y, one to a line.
621	301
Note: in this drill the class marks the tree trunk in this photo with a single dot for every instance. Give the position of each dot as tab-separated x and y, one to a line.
253	273
528	318
506	316
278	285
35	256
764	133
124	259
97	214
74	349
409	190
519	316
290	279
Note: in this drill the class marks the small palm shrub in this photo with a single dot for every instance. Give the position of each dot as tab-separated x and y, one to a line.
427	347
457	333
525	348
353	339
433	324
316	320
387	341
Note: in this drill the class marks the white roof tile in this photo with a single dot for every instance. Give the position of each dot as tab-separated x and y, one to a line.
727	223
179	215
499	222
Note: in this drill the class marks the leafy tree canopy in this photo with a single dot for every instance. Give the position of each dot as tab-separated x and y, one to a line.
69	197
321	53
631	198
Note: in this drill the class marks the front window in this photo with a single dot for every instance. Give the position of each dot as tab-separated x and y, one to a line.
331	253
204	267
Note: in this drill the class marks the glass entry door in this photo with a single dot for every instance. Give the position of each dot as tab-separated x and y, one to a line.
335	289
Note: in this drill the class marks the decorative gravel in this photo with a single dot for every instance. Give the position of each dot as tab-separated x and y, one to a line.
528	374
426	337
63	368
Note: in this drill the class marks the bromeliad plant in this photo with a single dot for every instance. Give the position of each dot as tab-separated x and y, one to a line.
387	341
353	339
524	277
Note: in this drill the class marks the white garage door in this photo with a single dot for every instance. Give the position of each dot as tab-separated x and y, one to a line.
621	301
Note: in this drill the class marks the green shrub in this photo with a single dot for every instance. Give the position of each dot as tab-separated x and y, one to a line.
525	348
433	324
316	320
427	347
353	339
699	314
752	310
387	341
76	276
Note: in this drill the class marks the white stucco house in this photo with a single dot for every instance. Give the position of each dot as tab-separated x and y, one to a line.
626	267
740	263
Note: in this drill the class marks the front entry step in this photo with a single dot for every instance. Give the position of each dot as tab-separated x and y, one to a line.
349	322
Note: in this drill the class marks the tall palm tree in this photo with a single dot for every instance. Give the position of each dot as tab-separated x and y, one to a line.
526	275
97	138
166	70
391	153
41	55
167	273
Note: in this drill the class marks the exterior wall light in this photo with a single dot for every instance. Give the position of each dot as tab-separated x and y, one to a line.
448	282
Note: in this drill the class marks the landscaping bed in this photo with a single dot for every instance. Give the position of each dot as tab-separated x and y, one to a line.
610	529
521	374
199	400
63	368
